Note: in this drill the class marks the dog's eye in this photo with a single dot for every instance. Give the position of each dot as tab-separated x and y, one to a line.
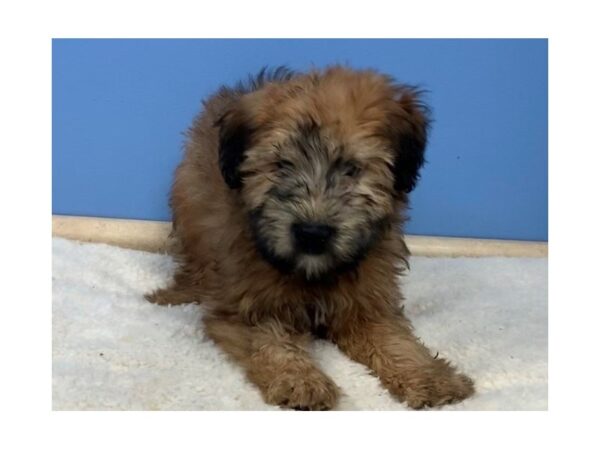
351	170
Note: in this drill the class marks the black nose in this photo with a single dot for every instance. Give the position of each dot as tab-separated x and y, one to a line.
312	238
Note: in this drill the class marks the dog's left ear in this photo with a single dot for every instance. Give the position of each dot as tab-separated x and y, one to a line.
234	138
410	128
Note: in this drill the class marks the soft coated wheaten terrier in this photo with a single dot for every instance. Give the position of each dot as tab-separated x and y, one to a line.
288	211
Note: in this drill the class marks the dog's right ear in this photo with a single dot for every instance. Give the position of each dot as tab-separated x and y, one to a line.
411	126
234	138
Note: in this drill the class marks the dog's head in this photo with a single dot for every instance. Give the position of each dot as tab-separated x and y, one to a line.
322	162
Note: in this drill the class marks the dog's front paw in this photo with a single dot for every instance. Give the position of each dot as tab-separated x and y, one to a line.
430	386
312	391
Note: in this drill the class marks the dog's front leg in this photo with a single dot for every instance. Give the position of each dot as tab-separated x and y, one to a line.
277	362
403	364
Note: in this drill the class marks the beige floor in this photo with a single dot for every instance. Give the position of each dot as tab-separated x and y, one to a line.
152	236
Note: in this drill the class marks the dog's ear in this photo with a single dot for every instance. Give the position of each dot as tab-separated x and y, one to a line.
410	128
234	138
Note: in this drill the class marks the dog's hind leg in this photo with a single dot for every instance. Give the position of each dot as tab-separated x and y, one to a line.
276	361
174	295
185	288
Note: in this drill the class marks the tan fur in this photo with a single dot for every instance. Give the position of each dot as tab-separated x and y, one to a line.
263	318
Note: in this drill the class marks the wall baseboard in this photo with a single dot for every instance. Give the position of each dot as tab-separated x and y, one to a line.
152	236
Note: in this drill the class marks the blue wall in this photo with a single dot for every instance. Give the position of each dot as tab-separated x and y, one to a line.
120	107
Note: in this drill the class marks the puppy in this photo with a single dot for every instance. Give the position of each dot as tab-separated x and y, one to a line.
288	212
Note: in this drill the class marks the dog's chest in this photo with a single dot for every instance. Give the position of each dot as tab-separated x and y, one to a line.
318	317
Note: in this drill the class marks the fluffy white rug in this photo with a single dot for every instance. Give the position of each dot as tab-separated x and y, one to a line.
112	350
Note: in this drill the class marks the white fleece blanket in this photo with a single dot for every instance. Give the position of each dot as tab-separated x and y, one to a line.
112	350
